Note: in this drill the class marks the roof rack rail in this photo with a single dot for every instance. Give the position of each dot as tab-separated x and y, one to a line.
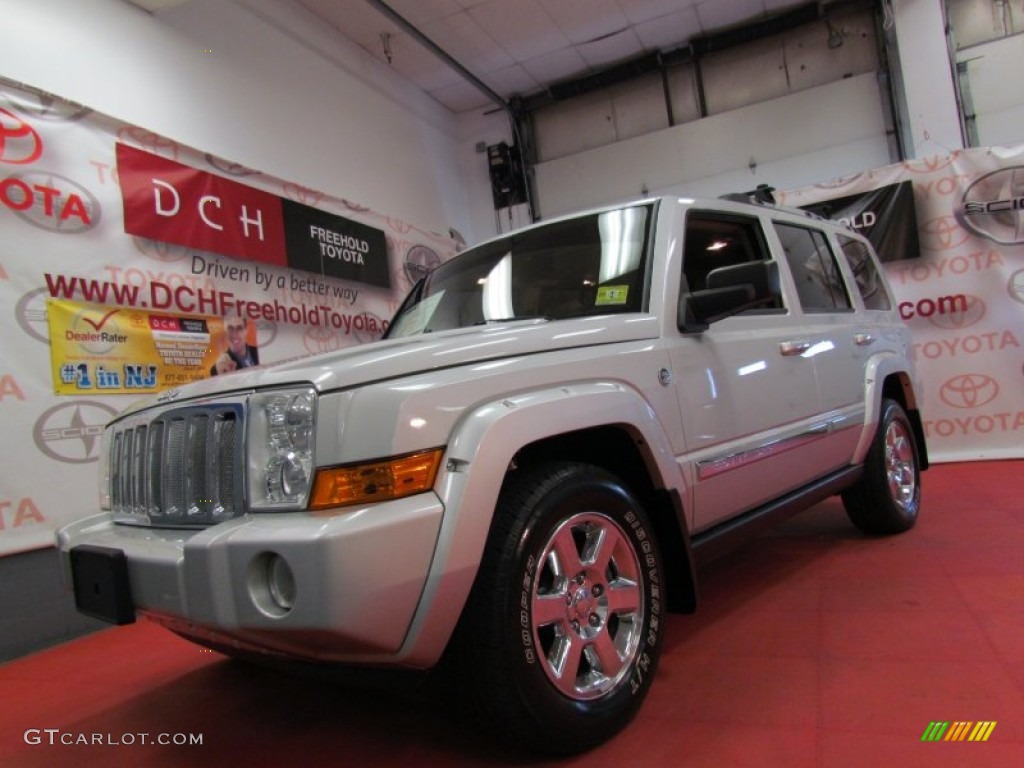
762	195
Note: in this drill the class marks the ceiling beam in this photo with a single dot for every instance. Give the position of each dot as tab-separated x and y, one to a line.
438	51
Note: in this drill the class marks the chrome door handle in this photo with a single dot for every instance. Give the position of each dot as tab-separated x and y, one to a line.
863	339
791	348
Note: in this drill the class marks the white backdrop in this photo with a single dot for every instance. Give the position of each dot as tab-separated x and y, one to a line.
61	215
964	297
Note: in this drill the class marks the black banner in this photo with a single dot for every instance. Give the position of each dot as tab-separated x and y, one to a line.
886	216
331	245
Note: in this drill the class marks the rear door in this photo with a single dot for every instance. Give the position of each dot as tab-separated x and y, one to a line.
840	335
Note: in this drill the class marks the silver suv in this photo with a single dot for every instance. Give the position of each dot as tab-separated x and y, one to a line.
523	476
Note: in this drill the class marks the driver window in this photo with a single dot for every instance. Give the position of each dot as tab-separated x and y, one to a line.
722	240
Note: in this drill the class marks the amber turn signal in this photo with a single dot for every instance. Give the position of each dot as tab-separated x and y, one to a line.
379	481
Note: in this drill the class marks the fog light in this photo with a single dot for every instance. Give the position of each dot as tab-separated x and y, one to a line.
272	586
281	583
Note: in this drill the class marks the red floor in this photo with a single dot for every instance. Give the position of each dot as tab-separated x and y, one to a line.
813	647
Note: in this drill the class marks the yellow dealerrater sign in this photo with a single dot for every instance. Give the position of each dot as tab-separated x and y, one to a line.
110	350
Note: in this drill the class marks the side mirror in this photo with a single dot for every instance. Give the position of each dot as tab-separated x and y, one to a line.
730	290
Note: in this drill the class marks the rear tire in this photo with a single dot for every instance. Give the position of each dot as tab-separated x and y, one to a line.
560	636
887	497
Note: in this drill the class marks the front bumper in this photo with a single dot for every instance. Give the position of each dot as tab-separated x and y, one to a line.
358	577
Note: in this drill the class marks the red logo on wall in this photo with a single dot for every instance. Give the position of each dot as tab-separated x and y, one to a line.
929	164
943	234
969	390
19	142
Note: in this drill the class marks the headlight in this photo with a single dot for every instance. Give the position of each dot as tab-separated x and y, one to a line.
280	441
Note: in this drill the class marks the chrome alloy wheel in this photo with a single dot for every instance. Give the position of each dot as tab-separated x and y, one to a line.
900	464
587	606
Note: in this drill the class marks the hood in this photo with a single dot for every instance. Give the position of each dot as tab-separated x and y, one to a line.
365	363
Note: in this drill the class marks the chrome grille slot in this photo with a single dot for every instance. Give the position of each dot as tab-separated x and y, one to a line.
182	468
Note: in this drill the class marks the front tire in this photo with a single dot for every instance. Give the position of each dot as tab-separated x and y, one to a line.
887	497
560	636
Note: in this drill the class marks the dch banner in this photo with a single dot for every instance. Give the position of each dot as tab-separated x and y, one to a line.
960	290
130	263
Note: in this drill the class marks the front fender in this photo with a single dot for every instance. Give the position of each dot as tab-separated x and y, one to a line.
482	445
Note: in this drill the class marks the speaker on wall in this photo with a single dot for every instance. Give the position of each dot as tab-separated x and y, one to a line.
506	169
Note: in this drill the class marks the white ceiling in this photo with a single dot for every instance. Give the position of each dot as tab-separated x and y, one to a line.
519	47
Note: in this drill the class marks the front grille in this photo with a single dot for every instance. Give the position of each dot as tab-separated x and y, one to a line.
180	468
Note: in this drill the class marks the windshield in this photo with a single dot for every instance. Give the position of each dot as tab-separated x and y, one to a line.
592	265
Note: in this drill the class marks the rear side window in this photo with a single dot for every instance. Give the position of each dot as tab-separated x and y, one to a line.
869	282
819	283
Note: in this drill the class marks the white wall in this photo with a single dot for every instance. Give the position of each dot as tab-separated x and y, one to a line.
491	126
997	91
924	62
229	77
798	139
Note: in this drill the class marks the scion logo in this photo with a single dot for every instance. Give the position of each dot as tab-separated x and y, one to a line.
969	390
993	206
70	432
420	261
30	313
943	234
19	142
1015	286
51	202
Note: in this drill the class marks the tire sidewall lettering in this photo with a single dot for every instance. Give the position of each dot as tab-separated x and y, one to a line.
644	663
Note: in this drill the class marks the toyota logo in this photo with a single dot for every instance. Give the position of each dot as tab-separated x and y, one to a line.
70	432
943	234
19	142
160	251
957	320
366	335
969	390
51	202
226	166
929	164
843	181
43	105
318	339
301	194
151	142
993	206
